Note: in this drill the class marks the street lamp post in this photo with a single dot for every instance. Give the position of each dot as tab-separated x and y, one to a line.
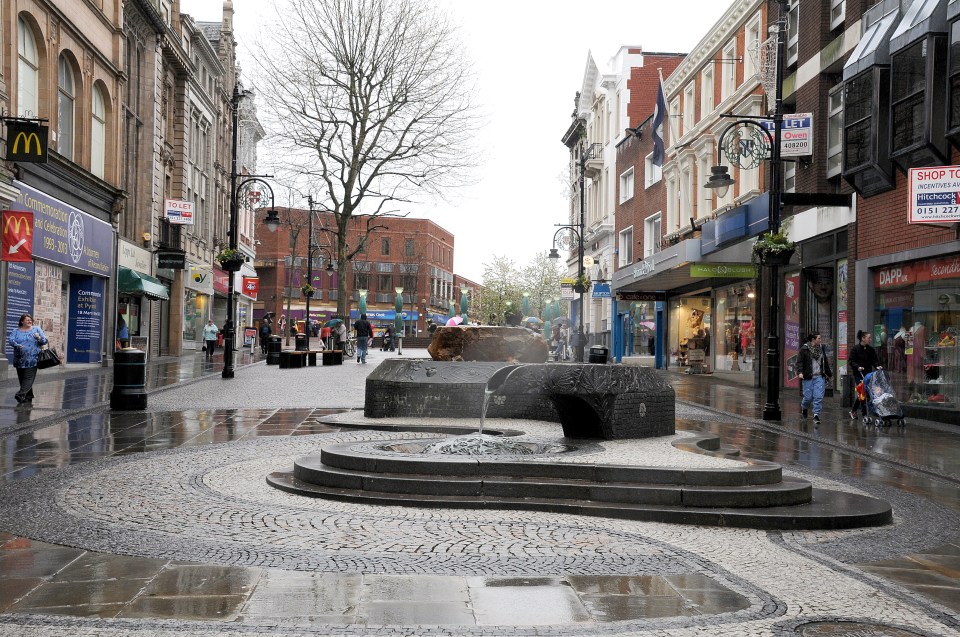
720	180
398	319
587	152
272	222
229	325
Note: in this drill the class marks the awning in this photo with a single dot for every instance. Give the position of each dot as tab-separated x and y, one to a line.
133	282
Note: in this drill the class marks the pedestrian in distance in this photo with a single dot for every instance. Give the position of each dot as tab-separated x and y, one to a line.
814	375
210	332
364	333
123	333
26	340
265	332
388	338
340	336
863	359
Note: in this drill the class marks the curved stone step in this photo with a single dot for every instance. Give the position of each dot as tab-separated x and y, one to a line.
347	456
826	509
787	492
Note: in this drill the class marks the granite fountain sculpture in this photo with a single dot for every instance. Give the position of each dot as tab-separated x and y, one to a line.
591	403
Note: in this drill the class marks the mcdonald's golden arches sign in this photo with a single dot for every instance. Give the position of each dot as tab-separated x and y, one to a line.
27	142
17	243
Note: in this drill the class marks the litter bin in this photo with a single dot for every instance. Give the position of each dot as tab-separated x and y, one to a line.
274	345
300	342
129	374
598	354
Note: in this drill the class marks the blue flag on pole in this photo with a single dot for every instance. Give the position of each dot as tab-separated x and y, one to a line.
659	117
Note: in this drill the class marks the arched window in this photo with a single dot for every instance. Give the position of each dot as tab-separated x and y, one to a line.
66	97
28	73
98	133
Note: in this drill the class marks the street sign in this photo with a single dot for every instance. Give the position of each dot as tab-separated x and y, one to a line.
17	243
172	260
178	211
27	142
934	195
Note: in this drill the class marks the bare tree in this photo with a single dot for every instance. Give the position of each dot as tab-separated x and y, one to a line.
373	99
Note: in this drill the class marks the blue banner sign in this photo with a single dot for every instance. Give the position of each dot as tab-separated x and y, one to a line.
66	235
601	291
19	296
87	302
385	315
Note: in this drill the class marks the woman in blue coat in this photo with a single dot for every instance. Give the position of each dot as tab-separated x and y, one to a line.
26	340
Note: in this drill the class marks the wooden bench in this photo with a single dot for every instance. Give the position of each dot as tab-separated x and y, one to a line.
332	356
292	359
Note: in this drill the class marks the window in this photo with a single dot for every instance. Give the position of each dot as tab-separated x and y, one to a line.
384	283
673	120
651	235
789	176
688	111
65	107
626	247
626	185
408	248
706	90
651	172
28	74
793	32
837	13
751	46
98	133
865	166
385	246
835	132
917	116
728	81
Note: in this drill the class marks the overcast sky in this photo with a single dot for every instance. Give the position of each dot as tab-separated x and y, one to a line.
529	56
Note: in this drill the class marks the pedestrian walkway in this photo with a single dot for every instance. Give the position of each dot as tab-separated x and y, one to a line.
100	538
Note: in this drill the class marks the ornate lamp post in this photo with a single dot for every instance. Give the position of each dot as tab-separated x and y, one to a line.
749	133
564	237
272	222
229	325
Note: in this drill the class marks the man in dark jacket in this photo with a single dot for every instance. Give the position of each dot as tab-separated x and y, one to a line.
814	374
364	333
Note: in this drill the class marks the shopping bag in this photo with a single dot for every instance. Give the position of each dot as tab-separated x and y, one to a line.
861	392
203	349
47	358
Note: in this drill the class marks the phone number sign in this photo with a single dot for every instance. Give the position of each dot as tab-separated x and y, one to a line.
934	194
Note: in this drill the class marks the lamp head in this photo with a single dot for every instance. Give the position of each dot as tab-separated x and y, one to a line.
720	180
329	267
272	222
554	254
398	290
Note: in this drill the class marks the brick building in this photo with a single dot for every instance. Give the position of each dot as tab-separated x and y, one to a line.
413	254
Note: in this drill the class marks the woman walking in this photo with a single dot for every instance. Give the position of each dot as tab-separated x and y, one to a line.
815	374
26	340
863	359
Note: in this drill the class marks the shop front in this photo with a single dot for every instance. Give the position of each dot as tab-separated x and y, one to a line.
137	291
197	305
735	334
63	284
916	328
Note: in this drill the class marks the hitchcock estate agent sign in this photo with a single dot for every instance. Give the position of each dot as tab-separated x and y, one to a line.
934	194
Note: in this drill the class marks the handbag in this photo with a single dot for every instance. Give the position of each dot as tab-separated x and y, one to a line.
203	349
47	358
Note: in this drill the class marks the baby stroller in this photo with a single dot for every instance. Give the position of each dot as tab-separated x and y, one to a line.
883	408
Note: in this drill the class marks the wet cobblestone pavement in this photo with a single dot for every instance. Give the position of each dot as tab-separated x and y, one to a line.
161	523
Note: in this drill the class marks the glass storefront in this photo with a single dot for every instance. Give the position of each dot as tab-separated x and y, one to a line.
194	314
735	335
689	332
916	327
643	320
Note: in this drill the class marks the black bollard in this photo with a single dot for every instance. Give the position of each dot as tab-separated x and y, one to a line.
129	378
274	345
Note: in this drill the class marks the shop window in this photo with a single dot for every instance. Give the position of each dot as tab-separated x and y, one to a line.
918	113
735	335
866	132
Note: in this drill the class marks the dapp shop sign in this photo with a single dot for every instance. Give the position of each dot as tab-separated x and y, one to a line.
63	234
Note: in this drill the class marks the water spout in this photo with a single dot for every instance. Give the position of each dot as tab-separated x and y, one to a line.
494	383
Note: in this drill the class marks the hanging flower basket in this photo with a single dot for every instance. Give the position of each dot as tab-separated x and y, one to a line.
581	285
231	260
773	249
308	290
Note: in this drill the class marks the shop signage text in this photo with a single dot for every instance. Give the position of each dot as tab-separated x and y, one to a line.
934	194
727	270
87	304
904	274
172	260
20	284
133	257
65	235
601	291
643	268
17	243
641	296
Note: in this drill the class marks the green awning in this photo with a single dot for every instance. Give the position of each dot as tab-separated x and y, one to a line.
133	282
